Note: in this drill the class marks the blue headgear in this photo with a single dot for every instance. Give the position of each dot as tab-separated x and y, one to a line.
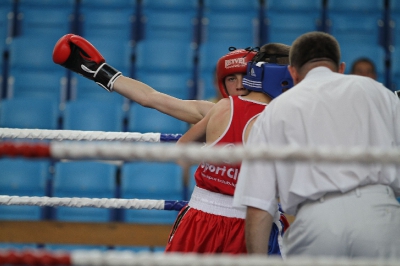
269	78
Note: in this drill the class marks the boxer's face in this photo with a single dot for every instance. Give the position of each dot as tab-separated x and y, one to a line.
234	85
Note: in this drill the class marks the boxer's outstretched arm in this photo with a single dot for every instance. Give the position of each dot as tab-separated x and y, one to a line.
77	54
191	111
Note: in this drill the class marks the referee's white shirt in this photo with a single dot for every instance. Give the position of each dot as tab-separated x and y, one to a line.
325	109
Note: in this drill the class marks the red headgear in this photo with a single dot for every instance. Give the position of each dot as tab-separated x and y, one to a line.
232	63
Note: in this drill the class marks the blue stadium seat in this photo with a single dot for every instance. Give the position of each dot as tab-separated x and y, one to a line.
355	28
151	180
355	6
395	56
394	7
32	70
181	5
304	16
169	24
230	21
33	54
175	84
5	8
231	6
145	120
396	61
206	88
231	27
87	179
43	22
169	20
114	19
113	22
93	115
108	4
39	84
355	21
291	6
44	18
285	28
167	56
23	177
176	58
396	82
29	113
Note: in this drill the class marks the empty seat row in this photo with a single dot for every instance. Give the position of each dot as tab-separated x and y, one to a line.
90	179
89	115
32	72
159	50
164	64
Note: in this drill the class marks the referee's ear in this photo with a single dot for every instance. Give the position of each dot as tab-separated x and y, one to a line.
342	68
295	75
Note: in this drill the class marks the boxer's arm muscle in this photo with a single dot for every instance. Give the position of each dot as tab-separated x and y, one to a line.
191	111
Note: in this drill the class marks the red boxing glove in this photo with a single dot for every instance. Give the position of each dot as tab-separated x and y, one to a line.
77	54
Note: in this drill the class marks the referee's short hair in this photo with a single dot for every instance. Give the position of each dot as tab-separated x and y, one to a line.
312	46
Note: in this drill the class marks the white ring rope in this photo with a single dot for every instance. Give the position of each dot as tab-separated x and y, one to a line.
83	202
128	258
194	153
145	258
15	133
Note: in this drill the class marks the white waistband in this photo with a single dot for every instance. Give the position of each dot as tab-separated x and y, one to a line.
215	203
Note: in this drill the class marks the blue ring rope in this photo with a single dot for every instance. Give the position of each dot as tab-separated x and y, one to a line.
174	205
169	137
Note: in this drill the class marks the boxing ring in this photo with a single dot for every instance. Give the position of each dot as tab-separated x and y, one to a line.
92	145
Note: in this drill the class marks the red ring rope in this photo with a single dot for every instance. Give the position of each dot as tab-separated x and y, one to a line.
25	150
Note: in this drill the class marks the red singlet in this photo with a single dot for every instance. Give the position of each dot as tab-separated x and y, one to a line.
209	224
222	178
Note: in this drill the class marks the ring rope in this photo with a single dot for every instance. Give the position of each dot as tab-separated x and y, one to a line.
16	133
195	153
136	204
129	258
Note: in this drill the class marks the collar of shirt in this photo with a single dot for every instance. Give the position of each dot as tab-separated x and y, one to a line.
317	71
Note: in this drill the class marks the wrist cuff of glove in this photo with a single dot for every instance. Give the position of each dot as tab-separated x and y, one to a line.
105	76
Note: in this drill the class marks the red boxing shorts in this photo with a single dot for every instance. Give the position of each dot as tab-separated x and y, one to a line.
208	225
201	232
